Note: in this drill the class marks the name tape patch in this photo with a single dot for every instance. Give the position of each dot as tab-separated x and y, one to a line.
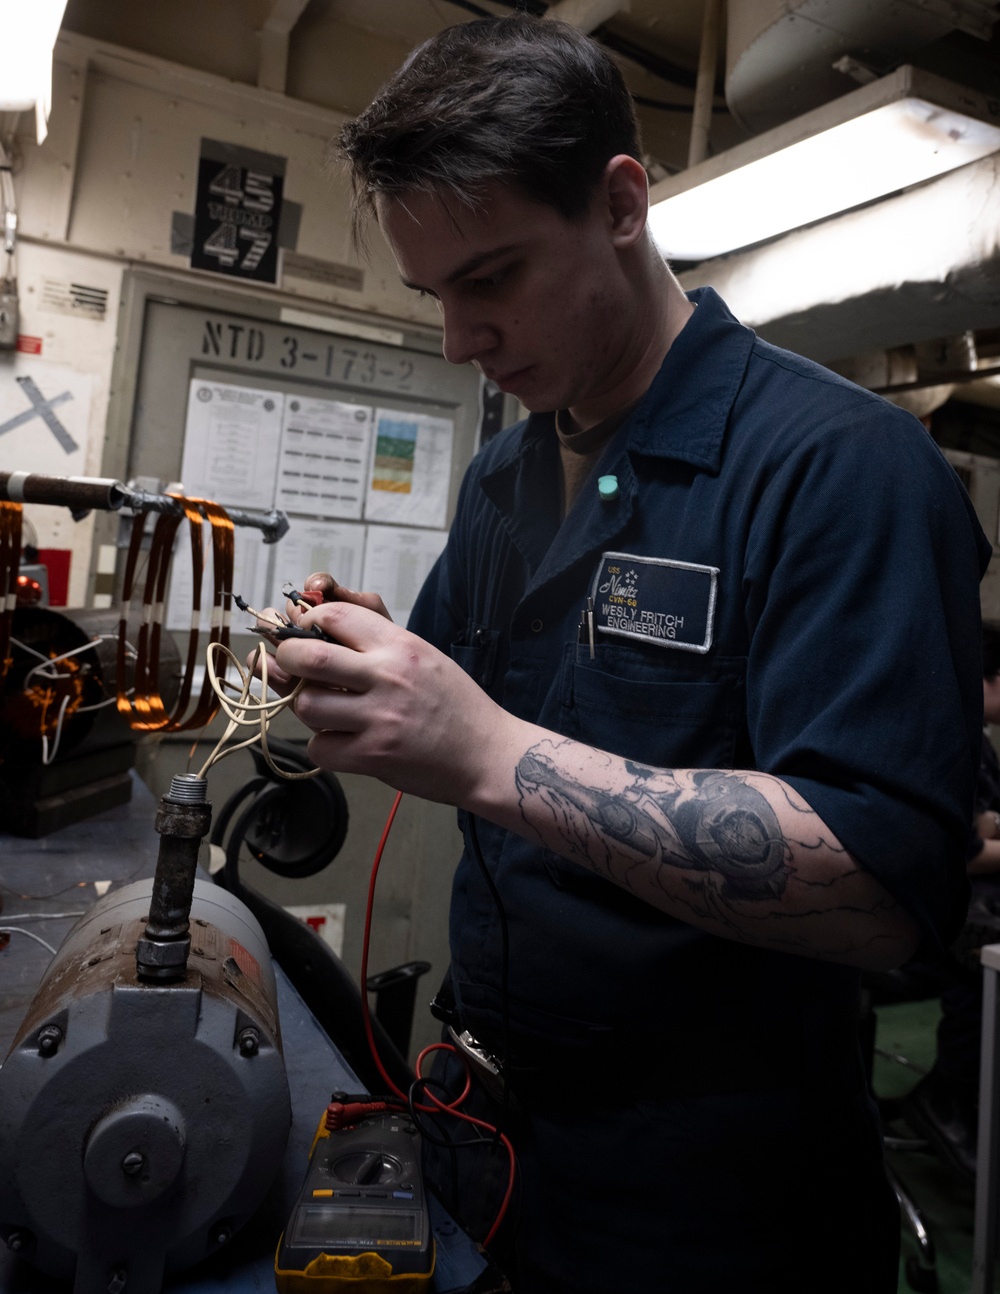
669	603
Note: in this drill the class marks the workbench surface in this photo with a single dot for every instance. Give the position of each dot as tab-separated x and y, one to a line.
54	878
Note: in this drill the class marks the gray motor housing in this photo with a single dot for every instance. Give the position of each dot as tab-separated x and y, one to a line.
141	1124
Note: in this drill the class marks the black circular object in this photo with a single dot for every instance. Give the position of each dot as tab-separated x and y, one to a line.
40	634
300	830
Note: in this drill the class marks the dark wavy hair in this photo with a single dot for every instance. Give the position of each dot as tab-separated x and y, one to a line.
526	101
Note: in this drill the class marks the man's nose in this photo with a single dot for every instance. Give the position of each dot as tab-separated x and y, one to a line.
467	334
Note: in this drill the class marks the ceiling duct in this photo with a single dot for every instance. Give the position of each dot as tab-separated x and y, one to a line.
905	374
780	54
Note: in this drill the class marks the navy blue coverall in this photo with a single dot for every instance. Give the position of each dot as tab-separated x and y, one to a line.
787	581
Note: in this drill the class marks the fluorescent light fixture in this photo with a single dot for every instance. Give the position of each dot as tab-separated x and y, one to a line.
28	31
885	136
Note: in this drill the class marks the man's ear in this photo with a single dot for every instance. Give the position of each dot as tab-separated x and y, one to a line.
627	189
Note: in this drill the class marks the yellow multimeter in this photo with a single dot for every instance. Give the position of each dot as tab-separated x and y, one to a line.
360	1223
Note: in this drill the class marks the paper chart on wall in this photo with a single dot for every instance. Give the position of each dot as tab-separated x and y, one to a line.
410	468
323	458
397	561
250	561
231	441
336	547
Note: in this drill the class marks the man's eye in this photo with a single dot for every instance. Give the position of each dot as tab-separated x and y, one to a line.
488	282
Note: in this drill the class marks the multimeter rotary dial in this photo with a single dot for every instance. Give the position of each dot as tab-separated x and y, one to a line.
366	1168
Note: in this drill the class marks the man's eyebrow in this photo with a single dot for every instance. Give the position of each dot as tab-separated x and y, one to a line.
470	266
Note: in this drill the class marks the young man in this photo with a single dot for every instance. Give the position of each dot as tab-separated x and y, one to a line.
712	728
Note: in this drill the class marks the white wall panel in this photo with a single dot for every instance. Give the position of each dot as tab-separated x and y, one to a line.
71	341
123	153
99	195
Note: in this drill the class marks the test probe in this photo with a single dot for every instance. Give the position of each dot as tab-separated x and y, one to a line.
277	628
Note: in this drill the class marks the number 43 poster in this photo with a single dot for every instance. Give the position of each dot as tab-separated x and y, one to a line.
237	211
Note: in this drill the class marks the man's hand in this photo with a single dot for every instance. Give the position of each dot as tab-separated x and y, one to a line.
987	825
324	583
381	701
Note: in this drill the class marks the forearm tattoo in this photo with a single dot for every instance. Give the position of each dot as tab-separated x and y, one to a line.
710	847
717	824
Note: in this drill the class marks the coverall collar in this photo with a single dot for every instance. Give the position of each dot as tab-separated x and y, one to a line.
683	416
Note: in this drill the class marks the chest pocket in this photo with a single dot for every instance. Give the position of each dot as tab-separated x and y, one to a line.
476	652
689	715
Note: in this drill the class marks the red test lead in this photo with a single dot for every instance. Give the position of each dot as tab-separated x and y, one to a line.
310	598
342	1114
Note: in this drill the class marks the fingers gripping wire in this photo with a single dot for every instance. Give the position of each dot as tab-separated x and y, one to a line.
247	710
277	628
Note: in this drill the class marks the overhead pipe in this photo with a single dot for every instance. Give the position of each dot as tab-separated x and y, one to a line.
704	91
275	34
784	59
586	15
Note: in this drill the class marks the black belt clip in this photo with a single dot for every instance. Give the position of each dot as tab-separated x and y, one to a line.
486	1068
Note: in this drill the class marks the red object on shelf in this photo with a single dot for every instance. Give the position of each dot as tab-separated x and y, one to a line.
28	592
29	345
57	561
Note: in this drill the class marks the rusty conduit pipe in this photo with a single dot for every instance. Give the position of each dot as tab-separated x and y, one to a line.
82	494
183	819
79	493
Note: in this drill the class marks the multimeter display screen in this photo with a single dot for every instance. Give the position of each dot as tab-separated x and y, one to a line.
353	1227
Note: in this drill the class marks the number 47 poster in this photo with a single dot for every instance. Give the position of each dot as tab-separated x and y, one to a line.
237	211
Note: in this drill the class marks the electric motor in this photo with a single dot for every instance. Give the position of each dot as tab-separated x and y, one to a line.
143	1114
